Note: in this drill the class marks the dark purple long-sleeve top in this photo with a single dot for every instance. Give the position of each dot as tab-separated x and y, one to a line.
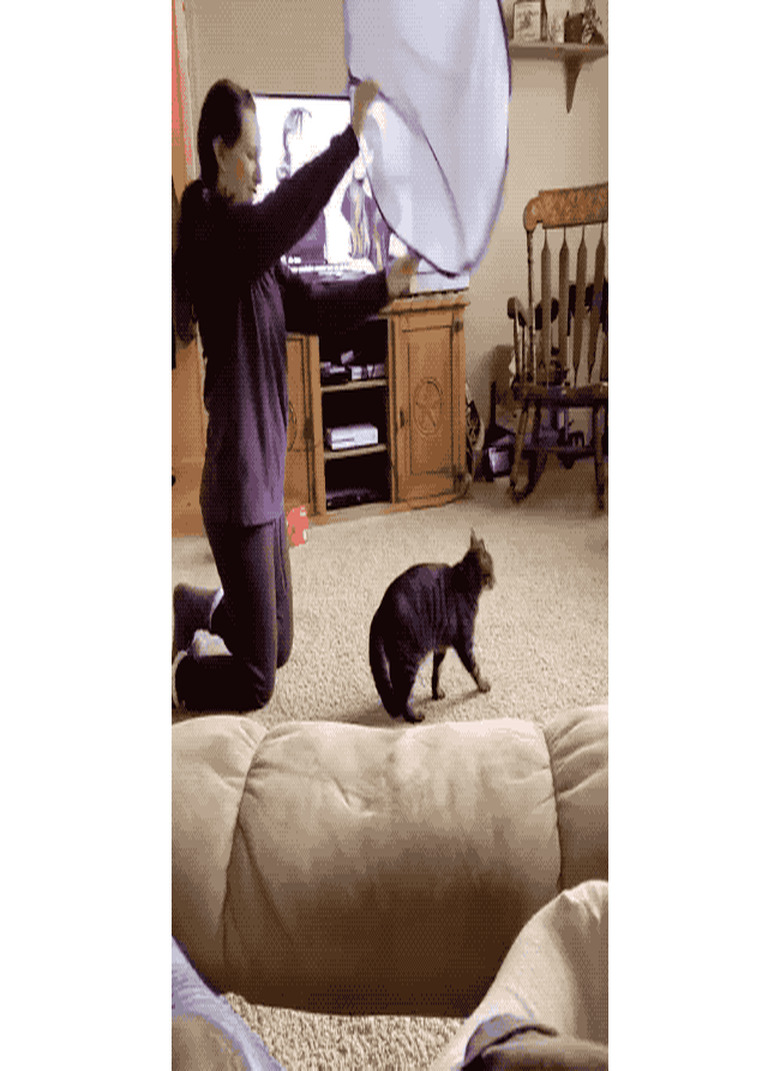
246	302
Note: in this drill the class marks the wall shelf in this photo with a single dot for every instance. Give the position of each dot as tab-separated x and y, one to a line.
572	56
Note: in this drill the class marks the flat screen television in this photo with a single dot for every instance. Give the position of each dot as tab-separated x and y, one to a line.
350	238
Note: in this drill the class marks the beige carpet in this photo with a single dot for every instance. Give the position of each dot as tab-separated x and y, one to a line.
541	640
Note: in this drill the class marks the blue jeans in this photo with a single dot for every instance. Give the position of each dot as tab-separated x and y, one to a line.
254	618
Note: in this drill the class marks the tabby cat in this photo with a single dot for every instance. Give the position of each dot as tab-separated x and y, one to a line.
427	608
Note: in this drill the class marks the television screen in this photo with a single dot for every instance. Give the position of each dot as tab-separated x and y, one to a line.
350	238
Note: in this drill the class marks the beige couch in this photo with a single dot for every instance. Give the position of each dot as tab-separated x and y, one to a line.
345	869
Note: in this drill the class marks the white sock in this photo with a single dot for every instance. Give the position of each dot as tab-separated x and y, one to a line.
218	596
174	696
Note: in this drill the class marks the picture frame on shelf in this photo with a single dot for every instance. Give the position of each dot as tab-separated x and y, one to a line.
527	20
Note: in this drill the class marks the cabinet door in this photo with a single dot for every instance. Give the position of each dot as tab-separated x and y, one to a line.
304	419
429	398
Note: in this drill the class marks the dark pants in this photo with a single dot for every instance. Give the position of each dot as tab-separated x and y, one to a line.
254	618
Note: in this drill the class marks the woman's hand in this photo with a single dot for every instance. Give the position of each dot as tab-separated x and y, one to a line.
402	273
365	92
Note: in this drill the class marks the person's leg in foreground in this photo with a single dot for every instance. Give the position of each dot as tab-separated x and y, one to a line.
254	618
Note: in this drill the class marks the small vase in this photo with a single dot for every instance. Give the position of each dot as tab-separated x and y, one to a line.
572	29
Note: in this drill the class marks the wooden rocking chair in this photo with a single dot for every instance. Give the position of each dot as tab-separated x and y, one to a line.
556	378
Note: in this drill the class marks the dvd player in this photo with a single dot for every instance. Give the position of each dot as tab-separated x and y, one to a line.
341	497
350	436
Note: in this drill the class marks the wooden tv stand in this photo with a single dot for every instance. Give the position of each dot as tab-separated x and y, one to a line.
418	408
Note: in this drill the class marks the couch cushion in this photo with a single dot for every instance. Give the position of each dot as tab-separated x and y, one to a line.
211	757
362	869
578	742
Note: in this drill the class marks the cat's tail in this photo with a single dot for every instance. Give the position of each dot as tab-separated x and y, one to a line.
380	667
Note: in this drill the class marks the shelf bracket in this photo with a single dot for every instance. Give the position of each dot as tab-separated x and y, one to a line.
573	67
573	64
573	56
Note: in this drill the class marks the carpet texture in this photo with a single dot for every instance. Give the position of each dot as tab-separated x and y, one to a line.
540	639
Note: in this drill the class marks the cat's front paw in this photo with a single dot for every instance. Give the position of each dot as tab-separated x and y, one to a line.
482	684
411	716
439	693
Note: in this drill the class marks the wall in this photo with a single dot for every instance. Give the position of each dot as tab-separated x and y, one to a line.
298	46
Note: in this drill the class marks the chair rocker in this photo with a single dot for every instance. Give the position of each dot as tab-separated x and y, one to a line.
572	373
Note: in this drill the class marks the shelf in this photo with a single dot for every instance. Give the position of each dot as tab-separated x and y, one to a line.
573	56
353	384
379	508
555	50
355	451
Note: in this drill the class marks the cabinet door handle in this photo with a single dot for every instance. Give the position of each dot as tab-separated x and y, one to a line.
401	418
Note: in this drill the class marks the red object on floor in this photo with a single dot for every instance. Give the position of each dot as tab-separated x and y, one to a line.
297	526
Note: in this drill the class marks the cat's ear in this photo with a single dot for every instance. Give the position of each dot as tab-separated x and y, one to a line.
474	540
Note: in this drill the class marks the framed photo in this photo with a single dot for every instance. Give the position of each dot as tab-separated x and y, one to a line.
528	20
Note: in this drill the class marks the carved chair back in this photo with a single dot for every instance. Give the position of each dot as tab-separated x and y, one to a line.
568	341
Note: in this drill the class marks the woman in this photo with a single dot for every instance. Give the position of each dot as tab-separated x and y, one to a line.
245	302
